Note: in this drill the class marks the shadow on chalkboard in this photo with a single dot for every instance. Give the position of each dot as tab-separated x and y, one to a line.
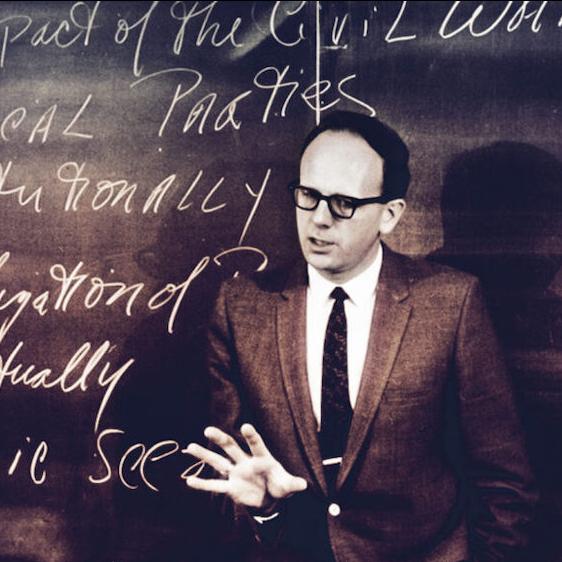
17	559
165	397
502	221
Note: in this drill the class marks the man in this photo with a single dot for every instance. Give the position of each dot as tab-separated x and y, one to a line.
344	388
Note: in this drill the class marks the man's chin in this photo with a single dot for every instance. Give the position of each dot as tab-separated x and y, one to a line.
317	260
322	263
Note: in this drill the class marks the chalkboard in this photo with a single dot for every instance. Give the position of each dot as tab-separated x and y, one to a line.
145	153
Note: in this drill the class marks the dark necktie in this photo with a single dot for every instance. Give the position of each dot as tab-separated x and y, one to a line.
336	411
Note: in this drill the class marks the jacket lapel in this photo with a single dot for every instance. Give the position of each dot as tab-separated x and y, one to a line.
291	338
387	328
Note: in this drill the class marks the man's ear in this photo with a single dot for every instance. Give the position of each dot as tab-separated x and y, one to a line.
391	215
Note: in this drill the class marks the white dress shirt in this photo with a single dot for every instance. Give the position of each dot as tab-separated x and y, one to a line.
359	308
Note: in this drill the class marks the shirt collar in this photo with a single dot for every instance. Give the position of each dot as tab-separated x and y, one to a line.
360	288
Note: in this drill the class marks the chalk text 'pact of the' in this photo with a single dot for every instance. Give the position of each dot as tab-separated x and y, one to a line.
281	81
197	24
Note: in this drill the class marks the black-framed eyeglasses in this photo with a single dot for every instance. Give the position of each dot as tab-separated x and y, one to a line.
341	206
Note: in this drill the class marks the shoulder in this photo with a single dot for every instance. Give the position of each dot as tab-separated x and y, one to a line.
426	271
427	278
265	285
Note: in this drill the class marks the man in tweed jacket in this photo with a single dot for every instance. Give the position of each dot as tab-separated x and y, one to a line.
433	467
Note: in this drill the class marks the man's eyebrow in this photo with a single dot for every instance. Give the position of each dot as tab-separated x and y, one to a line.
332	195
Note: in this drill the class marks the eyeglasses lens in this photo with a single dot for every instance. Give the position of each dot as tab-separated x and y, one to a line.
306	198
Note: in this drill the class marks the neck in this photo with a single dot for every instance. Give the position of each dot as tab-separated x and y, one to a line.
339	278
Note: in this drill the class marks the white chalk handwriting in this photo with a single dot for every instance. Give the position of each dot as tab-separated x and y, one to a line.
131	467
38	457
202	113
15	121
86	367
289	24
75	29
78	288
83	192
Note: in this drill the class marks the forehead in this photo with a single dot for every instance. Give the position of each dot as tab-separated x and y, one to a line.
342	162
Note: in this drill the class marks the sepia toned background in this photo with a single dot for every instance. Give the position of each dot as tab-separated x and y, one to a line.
145	153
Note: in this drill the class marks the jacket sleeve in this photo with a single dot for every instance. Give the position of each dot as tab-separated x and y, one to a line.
229	412
502	486
222	366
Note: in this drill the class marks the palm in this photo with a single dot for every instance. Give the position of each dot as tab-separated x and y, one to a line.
255	480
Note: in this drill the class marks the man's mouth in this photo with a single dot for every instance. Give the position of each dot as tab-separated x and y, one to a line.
318	243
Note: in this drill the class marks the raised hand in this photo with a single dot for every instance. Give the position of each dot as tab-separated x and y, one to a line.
256	480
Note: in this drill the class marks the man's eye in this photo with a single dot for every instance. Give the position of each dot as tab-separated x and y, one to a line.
343	203
309	194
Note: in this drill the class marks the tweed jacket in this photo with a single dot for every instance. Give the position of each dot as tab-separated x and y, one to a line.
435	467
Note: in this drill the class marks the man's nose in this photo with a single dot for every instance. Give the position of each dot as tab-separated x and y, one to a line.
321	216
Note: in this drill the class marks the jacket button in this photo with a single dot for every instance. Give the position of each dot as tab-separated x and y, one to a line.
334	509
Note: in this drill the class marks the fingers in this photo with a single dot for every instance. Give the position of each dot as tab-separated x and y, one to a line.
208	485
286	486
280	482
226	443
211	458
251	478
254	441
297	484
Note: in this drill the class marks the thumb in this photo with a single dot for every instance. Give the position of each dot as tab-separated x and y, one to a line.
298	484
292	484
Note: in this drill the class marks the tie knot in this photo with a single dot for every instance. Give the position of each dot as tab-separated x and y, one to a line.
339	294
